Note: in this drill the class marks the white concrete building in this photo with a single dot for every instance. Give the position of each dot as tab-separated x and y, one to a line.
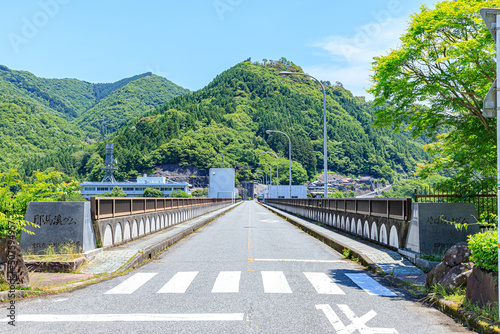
222	183
133	189
283	191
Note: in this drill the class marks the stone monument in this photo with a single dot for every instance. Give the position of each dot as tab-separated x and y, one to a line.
59	222
430	230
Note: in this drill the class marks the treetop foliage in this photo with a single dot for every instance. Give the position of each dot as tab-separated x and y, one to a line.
445	61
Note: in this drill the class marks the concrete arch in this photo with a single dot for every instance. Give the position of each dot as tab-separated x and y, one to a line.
107	240
148	225
135	231
141	227
383	234
347	224
153	224
126	231
118	233
338	222
359	229
342	224
393	237
334	219
373	233
162	221
353	226
366	230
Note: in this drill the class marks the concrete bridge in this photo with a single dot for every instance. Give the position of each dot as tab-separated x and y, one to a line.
121	219
380	220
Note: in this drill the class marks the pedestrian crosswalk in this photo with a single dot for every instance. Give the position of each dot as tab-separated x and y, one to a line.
179	283
273	282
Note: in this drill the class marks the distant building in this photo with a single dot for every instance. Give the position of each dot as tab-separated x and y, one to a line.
222	183
283	191
133	189
365	179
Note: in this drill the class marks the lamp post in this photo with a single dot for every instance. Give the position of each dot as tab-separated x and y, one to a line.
325	164
491	107
260	170
277	175
289	158
270	171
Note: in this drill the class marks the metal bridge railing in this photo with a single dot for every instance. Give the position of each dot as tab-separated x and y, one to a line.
110	207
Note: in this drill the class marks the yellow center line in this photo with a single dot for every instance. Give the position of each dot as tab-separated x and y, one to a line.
250	239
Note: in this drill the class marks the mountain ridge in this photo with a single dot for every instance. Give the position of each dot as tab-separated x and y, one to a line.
65	110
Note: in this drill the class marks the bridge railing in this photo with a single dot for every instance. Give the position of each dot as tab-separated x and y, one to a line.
395	208
111	207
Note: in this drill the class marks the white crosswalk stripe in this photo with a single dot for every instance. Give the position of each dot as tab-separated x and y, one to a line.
131	284
370	286
179	283
275	282
227	282
323	284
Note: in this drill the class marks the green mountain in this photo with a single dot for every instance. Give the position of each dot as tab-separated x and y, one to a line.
131	100
229	118
42	117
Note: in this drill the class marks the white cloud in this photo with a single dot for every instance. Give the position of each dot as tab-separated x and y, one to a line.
351	57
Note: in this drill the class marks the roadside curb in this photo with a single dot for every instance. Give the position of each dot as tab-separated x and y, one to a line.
153	250
453	311
134	262
337	245
4	295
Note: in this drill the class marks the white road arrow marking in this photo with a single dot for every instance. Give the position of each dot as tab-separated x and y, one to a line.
337	324
357	323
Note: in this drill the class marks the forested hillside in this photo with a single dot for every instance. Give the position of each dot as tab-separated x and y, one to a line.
129	101
229	118
43	117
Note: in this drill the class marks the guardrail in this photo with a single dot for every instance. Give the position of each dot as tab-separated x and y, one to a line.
111	207
395	208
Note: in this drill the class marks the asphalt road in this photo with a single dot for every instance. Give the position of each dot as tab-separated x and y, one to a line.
247	272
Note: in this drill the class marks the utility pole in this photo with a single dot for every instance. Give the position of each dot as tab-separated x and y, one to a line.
491	106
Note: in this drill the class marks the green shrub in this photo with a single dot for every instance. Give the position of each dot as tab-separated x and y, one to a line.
116	192
484	250
152	192
179	193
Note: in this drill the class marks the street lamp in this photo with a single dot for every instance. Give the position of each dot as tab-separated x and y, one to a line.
270	171
260	170
289	157
325	165
277	176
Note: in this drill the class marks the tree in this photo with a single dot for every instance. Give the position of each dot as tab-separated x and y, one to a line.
179	193
445	60
335	194
15	196
197	193
152	192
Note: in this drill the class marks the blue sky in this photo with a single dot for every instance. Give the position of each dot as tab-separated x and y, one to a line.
191	42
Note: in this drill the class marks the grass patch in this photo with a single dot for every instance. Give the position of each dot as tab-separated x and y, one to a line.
63	252
5	286
487	314
432	257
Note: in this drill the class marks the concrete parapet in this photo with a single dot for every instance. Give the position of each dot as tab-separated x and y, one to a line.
111	232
